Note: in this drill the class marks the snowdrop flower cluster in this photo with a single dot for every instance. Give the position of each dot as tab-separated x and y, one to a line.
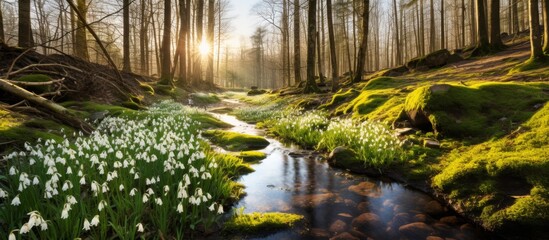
124	163
305	128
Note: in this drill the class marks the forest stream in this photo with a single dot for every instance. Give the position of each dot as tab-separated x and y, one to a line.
336	202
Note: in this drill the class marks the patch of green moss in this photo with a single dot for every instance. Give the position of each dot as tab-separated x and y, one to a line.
16	129
260	223
234	141
147	88
91	107
482	110
34	78
234	165
385	83
530	64
340	97
515	167
204	98
365	103
166	90
251	156
209	121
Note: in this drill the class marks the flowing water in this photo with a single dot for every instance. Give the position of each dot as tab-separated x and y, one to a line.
336	202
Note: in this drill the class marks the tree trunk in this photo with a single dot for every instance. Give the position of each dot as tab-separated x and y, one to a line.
535	37
285	44
397	34
310	86
143	40
25	32
515	20
81	44
546	26
442	27
211	28
422	27
319	57
483	43
432	37
199	31
363	49
495	28
462	23
59	112
165	74
297	45
1	25
333	56
473	22
126	45
182	43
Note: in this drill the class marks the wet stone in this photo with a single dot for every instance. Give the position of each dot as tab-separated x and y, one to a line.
345	215
434	208
363	207
417	230
338	226
350	203
434	238
451	220
400	220
420	217
367	221
344	236
319	233
313	200
366	189
443	229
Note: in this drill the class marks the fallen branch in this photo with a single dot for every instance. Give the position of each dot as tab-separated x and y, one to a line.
41	65
58	111
20	83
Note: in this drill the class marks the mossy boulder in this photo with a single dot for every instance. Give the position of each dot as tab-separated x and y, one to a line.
261	223
234	141
340	97
255	92
435	59
482	110
345	158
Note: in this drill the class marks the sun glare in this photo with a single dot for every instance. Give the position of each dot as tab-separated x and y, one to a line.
204	48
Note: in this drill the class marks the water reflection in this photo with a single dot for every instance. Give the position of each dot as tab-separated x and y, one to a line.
336	203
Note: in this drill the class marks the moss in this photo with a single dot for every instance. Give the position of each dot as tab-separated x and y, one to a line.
251	156
209	121
91	107
204	98
385	83
234	165
164	90
133	105
147	88
260	223
234	141
482	110
33	78
18	129
340	97
530	64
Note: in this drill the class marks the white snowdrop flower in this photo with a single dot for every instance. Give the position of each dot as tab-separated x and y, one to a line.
119	154
12	236
69	170
16	201
212	207
35	181
180	208
80	173
3	194
147	181
13	171
121	187
132	192
145	198
95	221
136	176
150	191
64	213
43	226
220	210
158	201
25	228
109	177
83	181
71	200
65	186
105	187
86	225
166	189
102	204
140	227
204	198
199	192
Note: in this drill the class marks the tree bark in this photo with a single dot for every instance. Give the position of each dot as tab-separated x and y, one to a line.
126	38
363	49
210	35
297	45
24	31
546	26
397	33
514	10
182	43
2	37
495	28
165	74
81	44
333	56
462	23
285	44
310	86
144	66
483	42
432	36
442	27
59	112
199	32
535	37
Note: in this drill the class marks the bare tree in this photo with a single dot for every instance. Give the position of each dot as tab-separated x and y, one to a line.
297	45
126	36
495	28
310	85
483	43
25	33
2	37
165	74
535	37
546	26
363	49
210	36
333	56
81	41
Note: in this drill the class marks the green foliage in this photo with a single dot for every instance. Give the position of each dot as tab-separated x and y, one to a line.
92	107
250	156
149	170
234	141
17	129
260	223
303	128
481	110
260	113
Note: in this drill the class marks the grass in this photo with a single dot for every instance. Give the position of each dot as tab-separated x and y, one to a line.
250	156
145	175
234	141
260	223
204	98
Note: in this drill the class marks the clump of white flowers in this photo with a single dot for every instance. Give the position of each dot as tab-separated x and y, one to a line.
117	169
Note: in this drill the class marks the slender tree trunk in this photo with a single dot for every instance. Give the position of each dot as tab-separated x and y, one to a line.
25	32
310	86
331	37
363	49
285	44
81	41
126	38
2	37
199	31
515	14
495	28
546	26
422	27
319	57
535	34
462	23
144	66
397	33
473	21
432	36
182	44
483	42
211	28
297	45
165	75
442	27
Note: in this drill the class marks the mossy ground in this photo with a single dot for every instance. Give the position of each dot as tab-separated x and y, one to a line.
260	223
208	121
234	141
250	156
